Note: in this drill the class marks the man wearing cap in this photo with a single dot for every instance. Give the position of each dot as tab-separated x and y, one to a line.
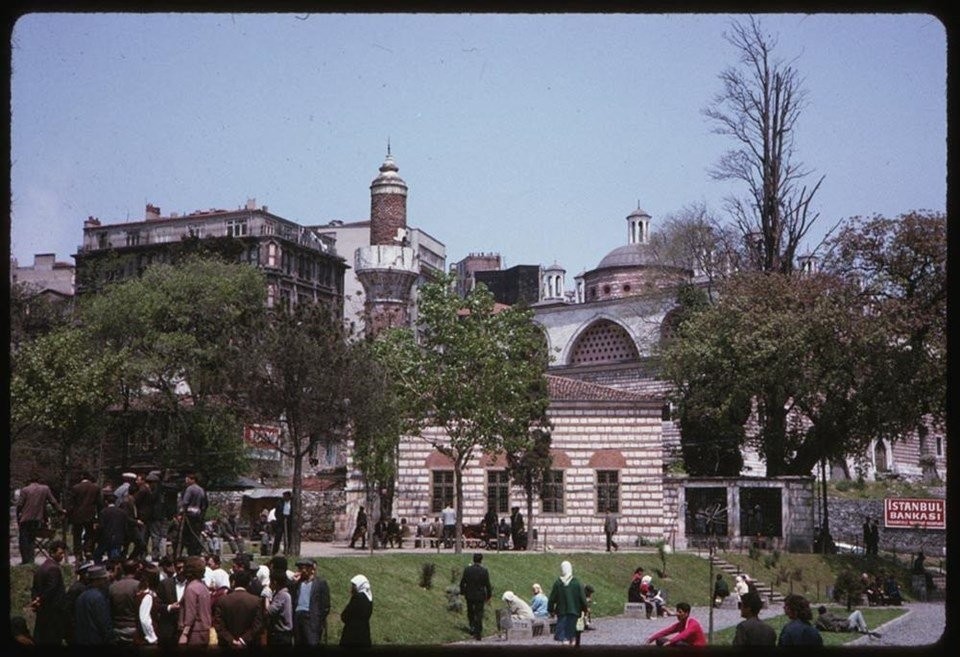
311	604
123	489
70	600
93	623
475	588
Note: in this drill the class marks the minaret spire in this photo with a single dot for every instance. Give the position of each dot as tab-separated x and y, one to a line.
388	155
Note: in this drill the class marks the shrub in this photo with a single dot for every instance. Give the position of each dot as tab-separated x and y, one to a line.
454	601
848	589
426	575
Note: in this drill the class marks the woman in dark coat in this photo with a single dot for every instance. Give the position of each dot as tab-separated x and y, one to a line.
356	615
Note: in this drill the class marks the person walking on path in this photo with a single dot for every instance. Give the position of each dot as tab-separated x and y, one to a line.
687	630
32	515
741	588
752	631
356	615
610	528
720	590
311	605
476	589
798	631
360	530
567	601
48	597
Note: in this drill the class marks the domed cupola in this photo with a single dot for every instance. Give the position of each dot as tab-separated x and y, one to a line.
552	285
638	226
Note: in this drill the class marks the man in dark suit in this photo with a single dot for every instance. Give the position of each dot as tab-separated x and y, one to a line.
284	516
168	597
237	616
311	604
83	505
113	530
48	598
475	588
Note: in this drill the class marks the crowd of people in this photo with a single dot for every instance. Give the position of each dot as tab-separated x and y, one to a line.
191	600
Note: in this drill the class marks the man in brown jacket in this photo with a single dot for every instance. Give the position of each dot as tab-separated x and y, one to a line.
85	503
32	515
238	615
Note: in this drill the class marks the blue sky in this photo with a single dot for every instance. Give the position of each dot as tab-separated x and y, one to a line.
528	135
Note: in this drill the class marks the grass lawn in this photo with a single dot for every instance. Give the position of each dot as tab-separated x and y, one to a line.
873	615
404	613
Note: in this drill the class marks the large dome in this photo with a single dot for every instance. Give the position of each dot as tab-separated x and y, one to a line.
629	255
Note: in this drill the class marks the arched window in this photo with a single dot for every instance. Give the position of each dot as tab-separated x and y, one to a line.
880	457
604	342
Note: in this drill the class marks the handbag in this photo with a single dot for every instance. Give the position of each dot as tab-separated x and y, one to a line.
581	622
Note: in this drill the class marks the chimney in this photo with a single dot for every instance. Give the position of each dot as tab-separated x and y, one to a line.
251	204
91	222
265	209
153	212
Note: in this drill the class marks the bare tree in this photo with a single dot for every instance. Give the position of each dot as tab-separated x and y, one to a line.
760	104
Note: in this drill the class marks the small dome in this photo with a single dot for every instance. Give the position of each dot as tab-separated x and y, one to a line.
639	213
388	174
555	267
629	255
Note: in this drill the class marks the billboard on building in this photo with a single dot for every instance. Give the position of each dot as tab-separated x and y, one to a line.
262	441
911	513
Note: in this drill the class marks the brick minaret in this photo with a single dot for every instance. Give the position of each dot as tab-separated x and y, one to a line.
388	267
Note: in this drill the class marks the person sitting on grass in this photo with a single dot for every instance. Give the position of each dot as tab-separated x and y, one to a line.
687	630
827	621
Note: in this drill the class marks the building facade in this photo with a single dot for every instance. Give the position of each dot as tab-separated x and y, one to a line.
301	265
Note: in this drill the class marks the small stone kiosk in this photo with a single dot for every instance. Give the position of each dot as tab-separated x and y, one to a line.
739	512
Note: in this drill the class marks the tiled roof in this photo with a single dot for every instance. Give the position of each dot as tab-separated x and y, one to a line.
571	389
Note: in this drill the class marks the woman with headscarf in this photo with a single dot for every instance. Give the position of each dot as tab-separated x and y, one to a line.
356	615
741	588
519	609
567	601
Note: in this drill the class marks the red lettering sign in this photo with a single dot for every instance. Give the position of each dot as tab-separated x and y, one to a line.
911	513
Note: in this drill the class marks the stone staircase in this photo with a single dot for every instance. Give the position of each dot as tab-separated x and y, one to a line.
771	597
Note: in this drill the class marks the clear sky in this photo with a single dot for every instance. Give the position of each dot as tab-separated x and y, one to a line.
528	135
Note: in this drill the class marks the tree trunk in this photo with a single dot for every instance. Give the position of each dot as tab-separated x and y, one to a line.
293	541
458	493
529	491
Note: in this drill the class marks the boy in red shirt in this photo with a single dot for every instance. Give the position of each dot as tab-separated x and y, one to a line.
687	630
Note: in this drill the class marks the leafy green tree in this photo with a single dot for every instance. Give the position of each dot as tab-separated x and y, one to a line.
799	348
180	329
759	106
900	268
59	391
33	314
299	372
529	468
479	375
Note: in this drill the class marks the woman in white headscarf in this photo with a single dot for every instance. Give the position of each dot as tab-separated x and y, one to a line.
356	615
741	588
567	601
519	609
